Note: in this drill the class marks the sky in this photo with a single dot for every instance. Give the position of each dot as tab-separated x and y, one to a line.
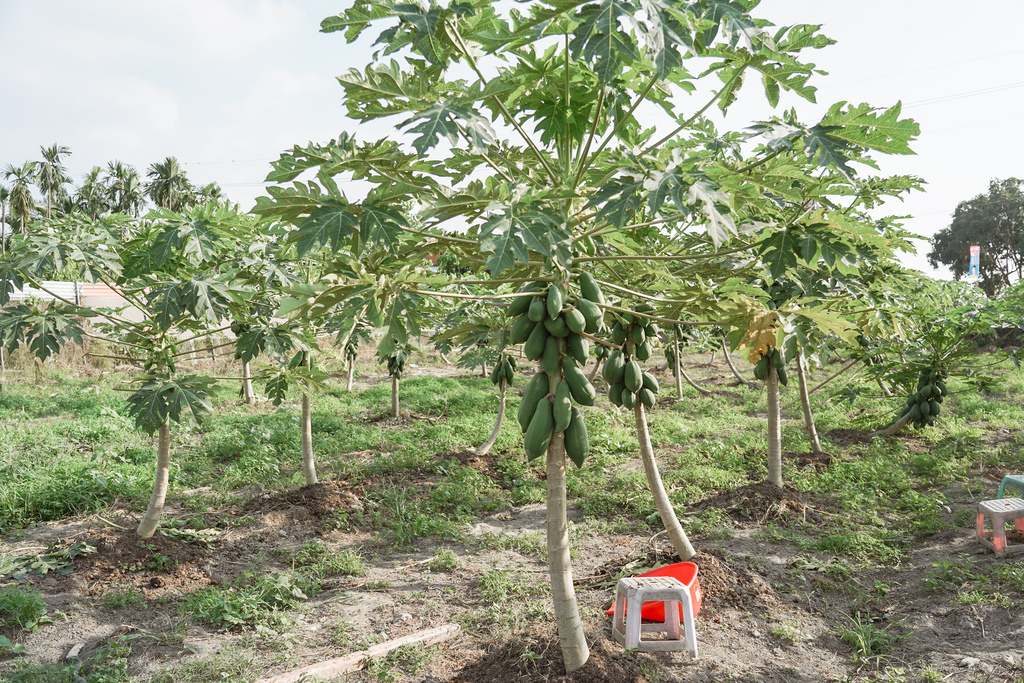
226	85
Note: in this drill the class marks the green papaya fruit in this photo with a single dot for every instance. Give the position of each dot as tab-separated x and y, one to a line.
536	309
631	376
579	348
591	314
582	390
556	326
943	389
650	382
519	305
555	300
577	441
538	434
615	392
627	319
644	308
614	367
761	369
536	389
590	289
521	329
783	376
534	347
935	409
915	412
496	374
628	399
618	333
644	351
638	335
575	320
647	397
552	355
513	362
562	407
652	330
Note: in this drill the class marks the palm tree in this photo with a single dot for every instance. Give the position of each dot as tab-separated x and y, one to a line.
91	196
124	190
169	187
5	196
51	175
21	199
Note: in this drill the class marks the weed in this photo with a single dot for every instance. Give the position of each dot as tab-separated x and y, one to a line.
319	562
498	586
444	560
407	659
21	609
108	665
785	631
250	602
119	598
867	640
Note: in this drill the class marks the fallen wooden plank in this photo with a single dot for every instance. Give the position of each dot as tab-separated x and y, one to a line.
357	660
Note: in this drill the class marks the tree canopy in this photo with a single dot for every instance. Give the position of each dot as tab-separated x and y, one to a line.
993	221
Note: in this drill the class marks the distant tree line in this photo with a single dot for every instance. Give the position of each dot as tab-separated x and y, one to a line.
117	188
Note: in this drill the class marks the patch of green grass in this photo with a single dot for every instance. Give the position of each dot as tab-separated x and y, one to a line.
253	601
407	660
444	560
868	641
108	665
498	586
121	598
21	609
318	561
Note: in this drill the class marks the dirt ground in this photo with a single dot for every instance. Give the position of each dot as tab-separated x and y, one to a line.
770	612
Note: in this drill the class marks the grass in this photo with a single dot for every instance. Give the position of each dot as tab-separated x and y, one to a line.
68	449
21	609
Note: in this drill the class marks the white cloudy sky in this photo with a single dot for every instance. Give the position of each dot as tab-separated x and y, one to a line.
226	85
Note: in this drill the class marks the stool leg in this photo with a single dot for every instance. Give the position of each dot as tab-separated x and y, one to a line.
999	534
633	609
689	628
619	617
1001	485
672	619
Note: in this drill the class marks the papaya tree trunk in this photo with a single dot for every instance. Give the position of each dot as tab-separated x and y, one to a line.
677	368
211	349
306	428
483	369
661	501
250	397
885	389
893	428
486	445
593	373
147	527
732	366
351	374
682	373
575	651
394	397
774	429
805	403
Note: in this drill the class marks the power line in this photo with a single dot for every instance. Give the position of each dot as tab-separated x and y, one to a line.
962	95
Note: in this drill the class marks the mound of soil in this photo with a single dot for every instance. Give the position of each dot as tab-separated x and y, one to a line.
819	461
519	660
763	502
484	464
321	500
848	437
124	559
721	584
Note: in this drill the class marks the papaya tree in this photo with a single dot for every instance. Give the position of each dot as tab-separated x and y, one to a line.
544	140
170	271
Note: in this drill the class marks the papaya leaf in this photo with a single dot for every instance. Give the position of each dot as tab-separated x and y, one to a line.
160	399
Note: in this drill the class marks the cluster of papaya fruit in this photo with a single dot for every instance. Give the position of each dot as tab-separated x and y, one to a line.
628	383
926	404
396	364
553	328
504	369
769	360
